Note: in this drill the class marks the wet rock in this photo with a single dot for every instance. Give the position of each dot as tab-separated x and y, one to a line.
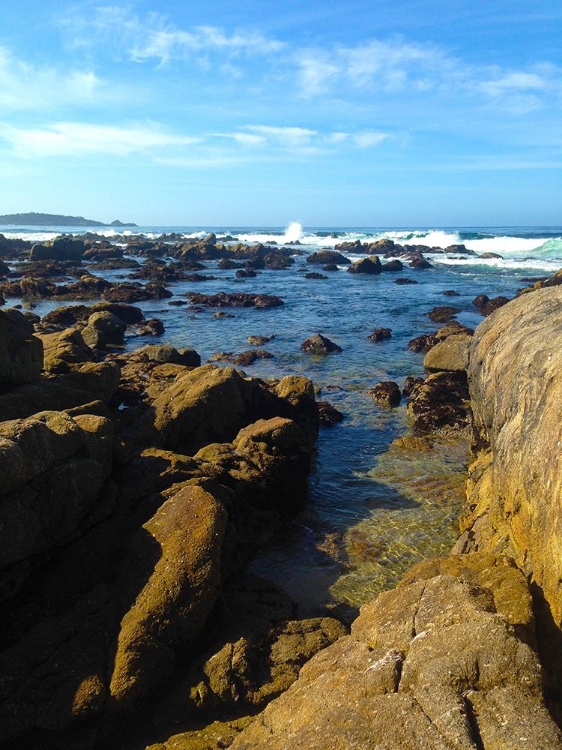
314	275
130	292
451	293
259	340
278	260
30	288
410	383
319	344
370	265
393	265
486	306
441	402
386	393
63	248
328	414
412	443
328	257
422	343
420	263
224	299
443	313
245	273
21	353
165	354
380	334
405	280
152	327
244	359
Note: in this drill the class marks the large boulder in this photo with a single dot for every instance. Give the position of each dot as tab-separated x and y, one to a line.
62	248
63	349
450	354
210	404
371	265
514	494
21	353
431	664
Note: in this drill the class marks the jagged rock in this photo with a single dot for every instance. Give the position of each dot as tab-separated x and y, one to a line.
328	256
486	306
21	353
443	313
386	393
430	664
319	344
63	349
328	414
209	404
380	334
393	265
108	324
100	379
223	299
440	402
371	265
54	469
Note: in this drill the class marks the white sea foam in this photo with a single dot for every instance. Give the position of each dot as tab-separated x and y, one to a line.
505	245
540	265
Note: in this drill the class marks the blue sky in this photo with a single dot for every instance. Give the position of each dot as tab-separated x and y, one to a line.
388	113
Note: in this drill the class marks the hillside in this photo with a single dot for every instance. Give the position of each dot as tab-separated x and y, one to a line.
37	219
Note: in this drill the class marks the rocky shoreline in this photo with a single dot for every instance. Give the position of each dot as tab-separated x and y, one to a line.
138	484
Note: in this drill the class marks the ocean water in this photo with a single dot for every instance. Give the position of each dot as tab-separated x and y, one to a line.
372	511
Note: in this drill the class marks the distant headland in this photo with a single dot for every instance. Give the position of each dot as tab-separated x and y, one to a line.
51	220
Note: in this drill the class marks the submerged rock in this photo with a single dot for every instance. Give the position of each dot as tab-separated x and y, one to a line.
319	344
386	393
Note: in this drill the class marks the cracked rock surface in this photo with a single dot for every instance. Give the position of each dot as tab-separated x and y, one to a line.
445	661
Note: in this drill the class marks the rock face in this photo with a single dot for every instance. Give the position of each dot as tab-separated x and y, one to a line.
444	661
185	536
514	497
54	475
21	353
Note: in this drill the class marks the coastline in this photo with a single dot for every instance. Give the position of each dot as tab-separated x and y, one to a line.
173	435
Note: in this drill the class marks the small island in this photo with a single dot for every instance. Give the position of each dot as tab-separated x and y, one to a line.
57	220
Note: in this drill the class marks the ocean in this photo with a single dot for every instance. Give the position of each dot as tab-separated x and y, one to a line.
372	511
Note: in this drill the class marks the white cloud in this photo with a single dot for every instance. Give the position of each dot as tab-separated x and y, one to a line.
153	37
369	139
24	86
288	137
73	138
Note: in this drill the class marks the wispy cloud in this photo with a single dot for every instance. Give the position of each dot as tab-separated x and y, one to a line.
24	86
73	138
252	142
155	38
396	66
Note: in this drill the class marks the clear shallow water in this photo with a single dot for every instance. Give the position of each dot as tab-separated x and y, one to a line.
372	511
